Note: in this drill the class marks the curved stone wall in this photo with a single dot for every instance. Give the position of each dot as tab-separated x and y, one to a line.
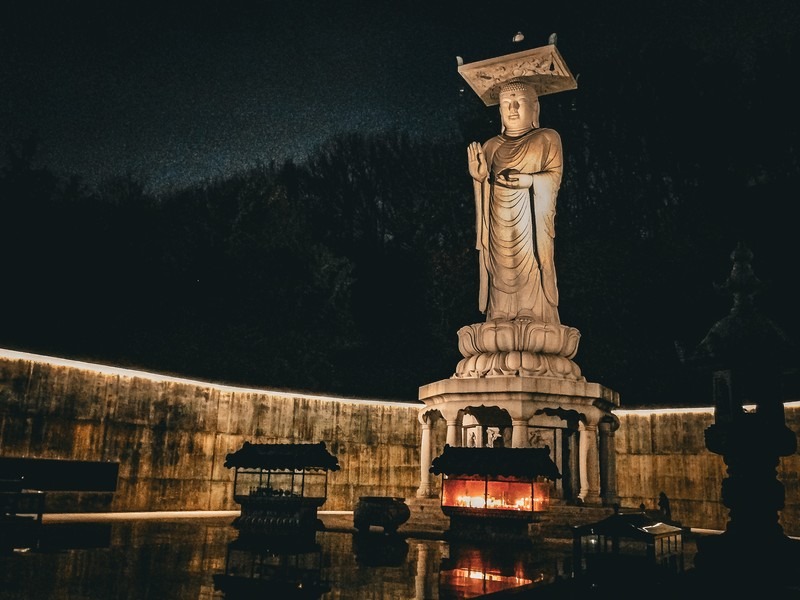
171	437
664	450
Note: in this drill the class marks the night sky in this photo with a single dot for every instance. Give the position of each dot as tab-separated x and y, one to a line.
185	92
194	92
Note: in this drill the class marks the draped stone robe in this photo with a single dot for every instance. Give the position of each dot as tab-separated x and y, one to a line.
515	228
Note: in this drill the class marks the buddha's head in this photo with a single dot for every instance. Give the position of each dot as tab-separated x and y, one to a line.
519	107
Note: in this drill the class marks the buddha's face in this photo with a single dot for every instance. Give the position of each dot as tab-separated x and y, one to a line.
519	111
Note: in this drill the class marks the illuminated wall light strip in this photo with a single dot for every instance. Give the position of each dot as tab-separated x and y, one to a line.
696	410
664	411
158	378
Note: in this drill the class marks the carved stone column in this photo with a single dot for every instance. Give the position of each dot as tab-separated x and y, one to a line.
592	465
589	465
574	465
519	433
583	447
425	489
608	464
452	433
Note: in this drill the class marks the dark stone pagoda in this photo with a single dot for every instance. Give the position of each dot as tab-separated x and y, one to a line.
746	354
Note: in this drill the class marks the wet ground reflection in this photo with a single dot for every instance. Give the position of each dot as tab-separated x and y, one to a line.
206	559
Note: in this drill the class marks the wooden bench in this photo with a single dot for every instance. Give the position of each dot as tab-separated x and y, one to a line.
18	502
25	483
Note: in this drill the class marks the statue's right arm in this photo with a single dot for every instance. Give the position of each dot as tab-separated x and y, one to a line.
477	162
479	171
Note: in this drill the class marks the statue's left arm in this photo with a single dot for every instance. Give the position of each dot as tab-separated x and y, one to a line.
546	181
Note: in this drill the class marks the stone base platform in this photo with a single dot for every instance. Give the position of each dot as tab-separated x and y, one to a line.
427	520
554	524
547	391
426	516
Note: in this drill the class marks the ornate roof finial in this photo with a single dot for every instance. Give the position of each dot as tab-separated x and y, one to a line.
742	283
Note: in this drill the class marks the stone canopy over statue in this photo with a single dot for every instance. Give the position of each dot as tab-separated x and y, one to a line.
516	177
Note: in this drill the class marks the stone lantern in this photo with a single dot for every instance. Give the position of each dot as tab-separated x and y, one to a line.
745	353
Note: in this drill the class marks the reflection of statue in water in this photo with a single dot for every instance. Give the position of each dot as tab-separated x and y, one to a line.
516	176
